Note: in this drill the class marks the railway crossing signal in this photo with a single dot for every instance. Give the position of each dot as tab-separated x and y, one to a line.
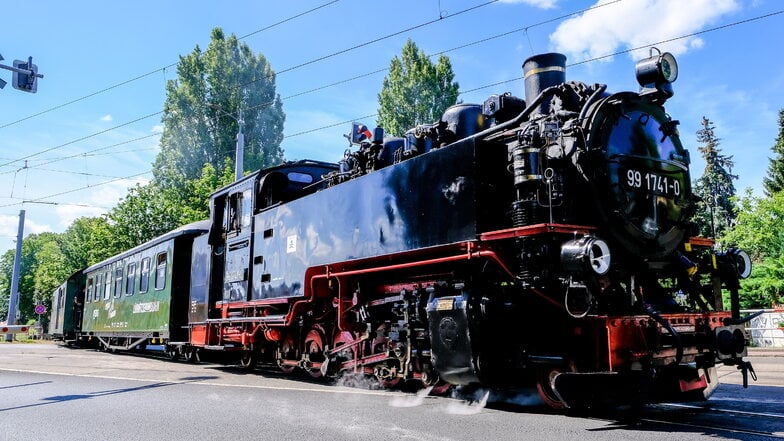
14	329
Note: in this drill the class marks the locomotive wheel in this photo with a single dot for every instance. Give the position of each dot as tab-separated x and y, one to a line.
339	357
386	376
248	359
287	351
191	354
173	352
545	379
314	352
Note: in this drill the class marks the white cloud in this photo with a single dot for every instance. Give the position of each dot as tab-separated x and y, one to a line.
97	202
158	128
544	4
637	23
69	213
9	226
106	118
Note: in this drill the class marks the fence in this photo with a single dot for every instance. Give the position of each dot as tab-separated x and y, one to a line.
765	330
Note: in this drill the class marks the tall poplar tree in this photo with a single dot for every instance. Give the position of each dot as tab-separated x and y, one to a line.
715	209
416	91
774	181
203	108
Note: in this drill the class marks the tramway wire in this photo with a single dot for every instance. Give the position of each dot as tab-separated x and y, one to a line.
588	60
89	153
289	69
161	69
347	80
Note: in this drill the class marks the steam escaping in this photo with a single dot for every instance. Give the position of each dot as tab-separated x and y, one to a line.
411	400
472	405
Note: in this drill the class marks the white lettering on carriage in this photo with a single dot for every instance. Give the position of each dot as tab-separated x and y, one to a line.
141	308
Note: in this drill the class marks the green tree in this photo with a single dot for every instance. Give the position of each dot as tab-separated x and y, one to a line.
759	230
416	91
774	181
146	212
84	242
715	210
36	249
202	108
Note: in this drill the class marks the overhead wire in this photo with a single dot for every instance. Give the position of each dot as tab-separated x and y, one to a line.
333	54
588	60
347	80
160	69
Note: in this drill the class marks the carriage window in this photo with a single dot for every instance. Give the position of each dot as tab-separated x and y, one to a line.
98	287
144	277
160	271
118	281
107	285
89	295
130	279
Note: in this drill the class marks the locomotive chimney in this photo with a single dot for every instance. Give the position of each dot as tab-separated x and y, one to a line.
540	72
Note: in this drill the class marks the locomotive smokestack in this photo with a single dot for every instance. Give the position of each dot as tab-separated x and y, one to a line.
540	72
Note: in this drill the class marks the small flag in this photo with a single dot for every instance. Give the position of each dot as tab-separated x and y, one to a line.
360	133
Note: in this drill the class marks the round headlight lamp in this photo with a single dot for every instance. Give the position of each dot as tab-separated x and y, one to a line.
656	70
586	255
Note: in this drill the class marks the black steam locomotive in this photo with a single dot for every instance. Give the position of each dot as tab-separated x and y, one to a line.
542	242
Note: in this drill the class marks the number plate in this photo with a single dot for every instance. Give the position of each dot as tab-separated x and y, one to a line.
648	181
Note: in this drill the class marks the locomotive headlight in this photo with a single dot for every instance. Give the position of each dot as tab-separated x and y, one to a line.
657	69
737	260
656	74
587	253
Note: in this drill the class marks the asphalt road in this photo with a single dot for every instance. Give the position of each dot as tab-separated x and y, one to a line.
49	392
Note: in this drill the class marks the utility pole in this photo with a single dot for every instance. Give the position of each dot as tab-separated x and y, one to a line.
13	298
240	155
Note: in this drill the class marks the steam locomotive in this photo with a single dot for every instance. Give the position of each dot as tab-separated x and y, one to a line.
538	242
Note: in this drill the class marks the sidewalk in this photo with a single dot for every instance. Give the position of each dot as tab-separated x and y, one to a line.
766	352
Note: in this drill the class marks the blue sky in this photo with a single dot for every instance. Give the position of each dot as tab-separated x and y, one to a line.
734	75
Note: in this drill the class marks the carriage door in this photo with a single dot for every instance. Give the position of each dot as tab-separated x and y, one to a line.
238	225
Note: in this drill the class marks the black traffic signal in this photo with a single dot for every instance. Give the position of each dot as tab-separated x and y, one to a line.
27	82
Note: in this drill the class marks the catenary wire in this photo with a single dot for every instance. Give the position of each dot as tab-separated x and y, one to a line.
343	51
588	60
367	74
160	69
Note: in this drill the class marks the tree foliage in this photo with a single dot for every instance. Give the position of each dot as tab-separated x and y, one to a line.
196	158
42	268
202	108
715	212
759	230
416	91
774	181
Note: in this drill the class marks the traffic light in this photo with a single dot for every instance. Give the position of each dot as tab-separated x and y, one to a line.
27	82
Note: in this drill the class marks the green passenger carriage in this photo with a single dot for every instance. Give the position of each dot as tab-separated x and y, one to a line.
140	297
66	319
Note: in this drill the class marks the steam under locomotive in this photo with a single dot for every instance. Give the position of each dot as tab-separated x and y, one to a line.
542	242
